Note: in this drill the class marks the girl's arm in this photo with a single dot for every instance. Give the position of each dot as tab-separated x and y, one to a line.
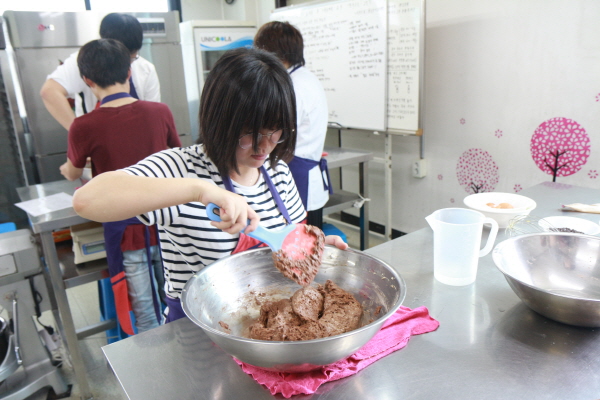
116	195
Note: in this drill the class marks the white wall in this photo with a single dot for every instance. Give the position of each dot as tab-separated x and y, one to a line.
239	10
494	72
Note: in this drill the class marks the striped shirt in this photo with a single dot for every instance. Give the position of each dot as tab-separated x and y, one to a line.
188	241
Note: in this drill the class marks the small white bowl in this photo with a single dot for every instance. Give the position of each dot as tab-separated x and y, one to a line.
577	224
521	205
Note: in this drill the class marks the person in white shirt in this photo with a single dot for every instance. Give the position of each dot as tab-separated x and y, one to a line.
66	82
308	167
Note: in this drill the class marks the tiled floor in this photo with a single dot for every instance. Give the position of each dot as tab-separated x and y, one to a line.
85	309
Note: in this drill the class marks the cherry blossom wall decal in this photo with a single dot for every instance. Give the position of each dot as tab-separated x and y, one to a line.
560	147
476	171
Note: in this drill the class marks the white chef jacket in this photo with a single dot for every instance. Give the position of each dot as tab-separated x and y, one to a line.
67	75
312	116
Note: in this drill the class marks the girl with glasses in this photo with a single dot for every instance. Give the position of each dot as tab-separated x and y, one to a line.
247	133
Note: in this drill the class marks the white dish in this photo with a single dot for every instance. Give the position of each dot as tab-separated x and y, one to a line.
521	205
577	224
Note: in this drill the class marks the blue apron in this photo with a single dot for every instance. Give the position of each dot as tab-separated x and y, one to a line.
113	235
300	168
245	242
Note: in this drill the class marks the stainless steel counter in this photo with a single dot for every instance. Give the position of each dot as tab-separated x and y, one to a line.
489	344
57	219
60	280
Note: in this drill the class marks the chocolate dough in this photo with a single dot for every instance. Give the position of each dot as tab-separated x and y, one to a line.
302	271
311	313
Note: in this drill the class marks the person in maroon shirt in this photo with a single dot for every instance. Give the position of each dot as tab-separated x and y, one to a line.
120	133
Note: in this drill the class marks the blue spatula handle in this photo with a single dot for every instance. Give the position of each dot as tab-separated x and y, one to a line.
274	239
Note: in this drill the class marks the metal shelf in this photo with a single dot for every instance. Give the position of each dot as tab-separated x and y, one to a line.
338	157
79	274
340	201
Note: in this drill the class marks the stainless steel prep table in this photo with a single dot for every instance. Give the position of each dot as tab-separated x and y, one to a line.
70	276
489	344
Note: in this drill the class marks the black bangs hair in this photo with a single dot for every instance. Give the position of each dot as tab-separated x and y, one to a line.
125	28
105	62
246	91
283	39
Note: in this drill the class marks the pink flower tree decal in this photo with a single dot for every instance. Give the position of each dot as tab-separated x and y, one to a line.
560	147
476	171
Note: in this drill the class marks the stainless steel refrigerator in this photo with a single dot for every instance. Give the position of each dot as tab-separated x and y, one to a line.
37	42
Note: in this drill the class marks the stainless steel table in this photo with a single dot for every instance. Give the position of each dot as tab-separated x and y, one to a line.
489	344
44	225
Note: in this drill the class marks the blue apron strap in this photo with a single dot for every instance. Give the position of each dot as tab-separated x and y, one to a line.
325	169
228	184
132	90
295	68
114	96
282	209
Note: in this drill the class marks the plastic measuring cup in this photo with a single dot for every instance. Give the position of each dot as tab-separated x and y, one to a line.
456	244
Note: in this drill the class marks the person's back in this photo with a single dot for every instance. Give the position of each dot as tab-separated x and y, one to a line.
123	130
117	137
120	133
311	107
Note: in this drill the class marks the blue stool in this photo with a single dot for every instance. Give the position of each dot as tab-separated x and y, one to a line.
8	227
330	229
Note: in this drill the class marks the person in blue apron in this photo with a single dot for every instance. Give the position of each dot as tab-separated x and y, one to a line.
308	166
247	132
121	132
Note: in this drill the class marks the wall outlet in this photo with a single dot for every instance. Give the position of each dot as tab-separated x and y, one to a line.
419	168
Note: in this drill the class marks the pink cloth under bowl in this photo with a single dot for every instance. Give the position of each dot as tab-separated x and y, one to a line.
394	335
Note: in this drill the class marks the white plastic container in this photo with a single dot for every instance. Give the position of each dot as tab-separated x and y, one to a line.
456	244
480	202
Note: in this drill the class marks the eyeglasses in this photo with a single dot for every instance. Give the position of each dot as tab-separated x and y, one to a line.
274	137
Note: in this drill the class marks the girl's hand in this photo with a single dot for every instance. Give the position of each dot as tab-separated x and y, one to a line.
236	215
336	241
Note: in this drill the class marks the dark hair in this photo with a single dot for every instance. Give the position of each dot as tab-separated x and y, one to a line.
283	39
247	90
123	27
104	61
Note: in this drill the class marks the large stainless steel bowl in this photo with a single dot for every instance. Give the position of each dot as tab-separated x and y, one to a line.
555	274
225	292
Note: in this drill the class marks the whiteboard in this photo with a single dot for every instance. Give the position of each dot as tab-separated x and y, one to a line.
345	46
368	55
405	54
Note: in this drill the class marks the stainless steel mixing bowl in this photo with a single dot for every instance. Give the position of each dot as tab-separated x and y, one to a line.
555	274
225	292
